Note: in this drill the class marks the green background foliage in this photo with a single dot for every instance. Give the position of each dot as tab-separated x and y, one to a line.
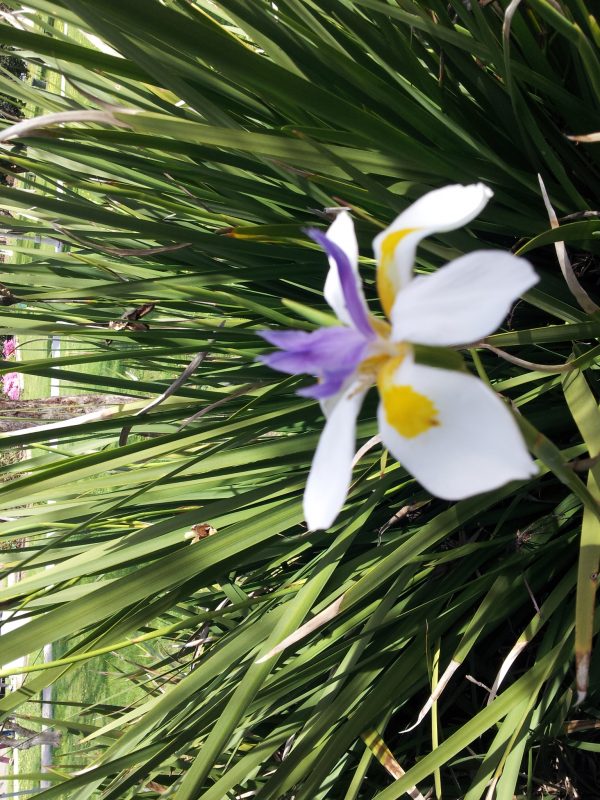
251	120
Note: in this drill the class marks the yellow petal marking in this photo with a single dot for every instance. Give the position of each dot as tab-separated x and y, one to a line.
371	368
386	288
381	326
407	411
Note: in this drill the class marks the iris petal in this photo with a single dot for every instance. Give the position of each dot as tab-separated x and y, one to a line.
341	232
331	354
471	443
463	301
355	303
437	211
331	472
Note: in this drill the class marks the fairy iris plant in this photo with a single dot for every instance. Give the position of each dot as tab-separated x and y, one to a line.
445	426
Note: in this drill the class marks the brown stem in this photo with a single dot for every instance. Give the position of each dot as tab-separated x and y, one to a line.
520	362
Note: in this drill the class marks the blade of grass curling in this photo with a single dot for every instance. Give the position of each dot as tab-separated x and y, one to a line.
576	289
501	591
550	605
584	409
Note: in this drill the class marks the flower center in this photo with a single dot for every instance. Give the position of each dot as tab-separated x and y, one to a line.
380	354
407	411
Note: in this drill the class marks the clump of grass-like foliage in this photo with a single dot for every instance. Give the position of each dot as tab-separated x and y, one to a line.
251	119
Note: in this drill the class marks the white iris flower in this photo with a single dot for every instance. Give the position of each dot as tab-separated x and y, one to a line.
446	427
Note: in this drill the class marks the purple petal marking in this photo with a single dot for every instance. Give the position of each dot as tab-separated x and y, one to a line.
331	354
290	340
354	302
330	385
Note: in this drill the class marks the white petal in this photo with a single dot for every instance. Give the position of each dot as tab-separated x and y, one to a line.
474	444
440	210
341	232
463	301
331	472
329	403
443	209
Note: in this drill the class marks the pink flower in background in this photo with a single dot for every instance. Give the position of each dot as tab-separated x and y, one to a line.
12	382
9	347
12	385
